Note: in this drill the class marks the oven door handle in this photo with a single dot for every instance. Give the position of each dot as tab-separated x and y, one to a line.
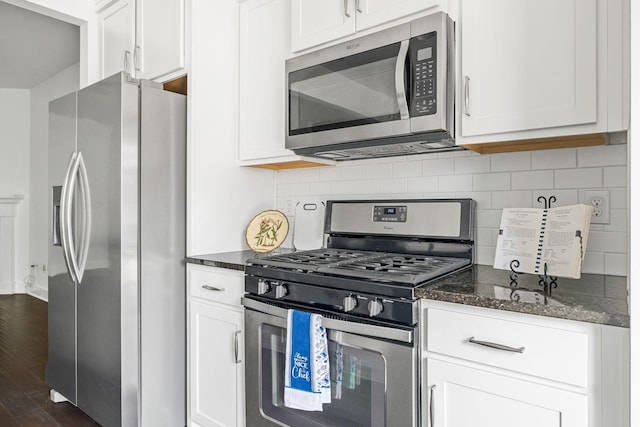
369	330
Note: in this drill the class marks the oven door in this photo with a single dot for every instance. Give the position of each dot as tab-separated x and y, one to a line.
379	383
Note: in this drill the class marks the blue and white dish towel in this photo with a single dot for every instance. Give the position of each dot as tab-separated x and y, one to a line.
307	381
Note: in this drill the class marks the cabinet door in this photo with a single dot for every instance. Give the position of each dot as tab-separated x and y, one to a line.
264	46
527	65
314	22
117	29
159	37
465	396
370	13
216	375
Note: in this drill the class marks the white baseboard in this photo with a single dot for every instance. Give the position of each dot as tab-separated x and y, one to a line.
39	293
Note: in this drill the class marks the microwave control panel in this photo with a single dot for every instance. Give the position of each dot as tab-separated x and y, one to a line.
423	59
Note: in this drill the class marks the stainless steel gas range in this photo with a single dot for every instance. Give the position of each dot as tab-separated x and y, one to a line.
363	283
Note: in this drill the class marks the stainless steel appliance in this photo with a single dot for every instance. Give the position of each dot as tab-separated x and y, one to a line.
386	94
117	160
363	283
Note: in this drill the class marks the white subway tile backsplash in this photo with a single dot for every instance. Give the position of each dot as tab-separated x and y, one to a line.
355	187
482	198
615	176
505	162
396	185
330	173
578	178
407	169
554	159
563	198
473	164
309	175
593	263
354	172
288	176
455	183
617	221
511	199
319	188
602	241
616	264
492	182
619	198
422	184
300	189
486	236
485	255
602	155
379	171
531	180
434	167
489	218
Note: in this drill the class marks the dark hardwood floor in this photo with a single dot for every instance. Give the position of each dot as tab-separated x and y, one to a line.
24	395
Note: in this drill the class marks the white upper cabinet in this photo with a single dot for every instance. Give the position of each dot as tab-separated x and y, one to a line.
144	38
160	35
314	22
117	28
533	69
265	44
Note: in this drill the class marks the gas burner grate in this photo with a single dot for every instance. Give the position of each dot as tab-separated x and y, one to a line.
375	266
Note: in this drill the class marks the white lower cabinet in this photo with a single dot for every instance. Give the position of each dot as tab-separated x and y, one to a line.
490	368
465	396
215	347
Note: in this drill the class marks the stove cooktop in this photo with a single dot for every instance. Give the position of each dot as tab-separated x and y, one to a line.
383	267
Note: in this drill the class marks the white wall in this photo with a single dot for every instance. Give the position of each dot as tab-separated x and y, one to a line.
493	181
78	12
222	197
62	83
14	168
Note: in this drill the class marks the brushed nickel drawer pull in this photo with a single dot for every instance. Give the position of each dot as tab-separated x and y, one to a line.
497	346
212	288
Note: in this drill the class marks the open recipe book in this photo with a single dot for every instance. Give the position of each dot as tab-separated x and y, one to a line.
555	236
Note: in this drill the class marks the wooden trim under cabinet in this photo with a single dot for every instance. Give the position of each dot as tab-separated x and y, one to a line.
178	85
539	143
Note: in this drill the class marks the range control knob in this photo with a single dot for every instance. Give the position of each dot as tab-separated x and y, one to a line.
281	291
263	287
375	307
349	303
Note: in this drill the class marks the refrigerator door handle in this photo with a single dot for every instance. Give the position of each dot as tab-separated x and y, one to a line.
68	238
83	246
65	216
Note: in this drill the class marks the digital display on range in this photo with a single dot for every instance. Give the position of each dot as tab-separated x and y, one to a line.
389	214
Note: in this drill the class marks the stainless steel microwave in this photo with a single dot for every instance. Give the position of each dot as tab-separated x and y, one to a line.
390	93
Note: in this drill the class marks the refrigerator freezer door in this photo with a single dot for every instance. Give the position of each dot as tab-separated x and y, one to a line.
61	365
108	139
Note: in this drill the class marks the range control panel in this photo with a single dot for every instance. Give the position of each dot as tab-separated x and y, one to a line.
423	53
390	214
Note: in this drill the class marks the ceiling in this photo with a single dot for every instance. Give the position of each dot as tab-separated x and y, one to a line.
34	47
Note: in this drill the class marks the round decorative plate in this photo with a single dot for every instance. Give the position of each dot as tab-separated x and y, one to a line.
266	231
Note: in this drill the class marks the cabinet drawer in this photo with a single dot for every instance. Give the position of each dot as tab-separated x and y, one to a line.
216	284
546	351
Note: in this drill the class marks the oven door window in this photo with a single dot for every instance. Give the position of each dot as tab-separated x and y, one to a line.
357	90
357	395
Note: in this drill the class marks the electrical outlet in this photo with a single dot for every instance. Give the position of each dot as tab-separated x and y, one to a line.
288	207
601	202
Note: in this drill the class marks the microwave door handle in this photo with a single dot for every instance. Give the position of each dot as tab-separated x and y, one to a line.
401	90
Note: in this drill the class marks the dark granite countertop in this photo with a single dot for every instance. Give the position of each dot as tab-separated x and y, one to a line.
593	298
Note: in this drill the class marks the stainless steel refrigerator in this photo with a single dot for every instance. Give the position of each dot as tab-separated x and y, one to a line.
117	172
